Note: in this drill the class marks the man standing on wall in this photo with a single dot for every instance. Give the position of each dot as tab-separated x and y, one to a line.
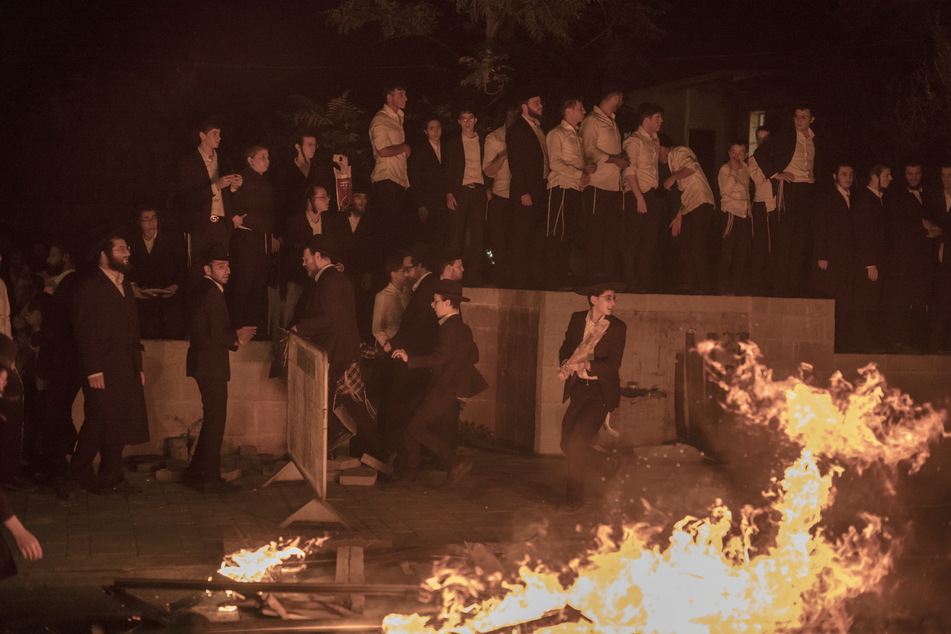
212	338
590	358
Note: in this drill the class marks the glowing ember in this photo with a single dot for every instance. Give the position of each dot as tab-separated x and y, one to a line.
708	576
256	565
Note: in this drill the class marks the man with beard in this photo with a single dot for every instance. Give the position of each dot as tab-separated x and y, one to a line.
868	219
911	254
528	162
59	265
212	338
355	233
327	316
110	356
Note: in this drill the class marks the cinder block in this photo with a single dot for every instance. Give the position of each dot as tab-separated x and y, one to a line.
361	476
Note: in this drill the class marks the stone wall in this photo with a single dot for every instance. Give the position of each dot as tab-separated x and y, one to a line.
257	405
787	330
519	333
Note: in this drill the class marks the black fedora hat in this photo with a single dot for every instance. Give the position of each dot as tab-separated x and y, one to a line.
325	246
450	289
598	287
212	252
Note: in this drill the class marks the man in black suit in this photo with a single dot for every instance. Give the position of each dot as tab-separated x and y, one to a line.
205	184
361	245
427	175
789	160
834	249
528	162
158	271
590	358
454	376
327	316
466	195
110	355
868	218
208	362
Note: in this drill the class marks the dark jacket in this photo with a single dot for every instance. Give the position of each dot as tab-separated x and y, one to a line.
327	315
427	176
455	161
453	361
58	359
210	334
194	191
164	266
106	324
526	162
359	250
774	155
606	364
419	326
911	253
834	242
868	216
255	198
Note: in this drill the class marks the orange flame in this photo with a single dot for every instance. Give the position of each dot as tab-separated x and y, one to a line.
709	577
257	565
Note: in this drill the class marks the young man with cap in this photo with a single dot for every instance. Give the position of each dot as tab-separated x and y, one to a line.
590	357
28	544
207	361
454	377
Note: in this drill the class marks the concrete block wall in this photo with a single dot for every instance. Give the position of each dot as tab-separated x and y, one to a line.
257	405
787	330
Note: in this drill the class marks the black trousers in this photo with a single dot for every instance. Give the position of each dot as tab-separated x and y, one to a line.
389	206
248	283
696	264
603	222
498	231
432	427
640	239
585	415
762	247
564	234
733	272
794	239
522	245
469	217
206	459
58	433
94	440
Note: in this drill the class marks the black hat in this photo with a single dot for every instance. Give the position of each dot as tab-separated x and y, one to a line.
450	289
212	252
8	353
596	288
325	246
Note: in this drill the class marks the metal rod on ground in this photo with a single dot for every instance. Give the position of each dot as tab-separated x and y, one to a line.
265	586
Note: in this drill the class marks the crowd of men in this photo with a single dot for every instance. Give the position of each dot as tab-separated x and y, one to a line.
376	278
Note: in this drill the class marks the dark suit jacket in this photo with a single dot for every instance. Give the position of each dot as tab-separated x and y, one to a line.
868	216
834	241
210	334
911	253
419	327
453	361
606	364
455	161
774	155
107	334
194	191
255	198
58	359
164	266
526	162
427	176
360	250
327	315
292	186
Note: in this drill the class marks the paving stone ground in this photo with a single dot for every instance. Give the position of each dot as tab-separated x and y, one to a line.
508	501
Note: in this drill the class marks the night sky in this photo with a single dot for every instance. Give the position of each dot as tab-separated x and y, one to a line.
101	97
